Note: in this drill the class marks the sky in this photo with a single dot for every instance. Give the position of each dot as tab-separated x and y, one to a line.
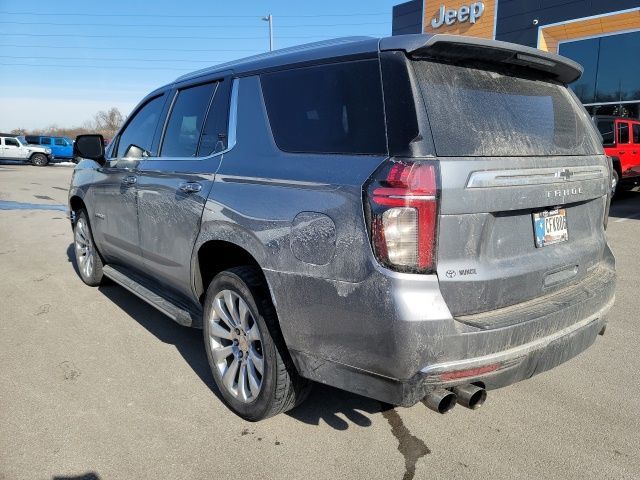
61	62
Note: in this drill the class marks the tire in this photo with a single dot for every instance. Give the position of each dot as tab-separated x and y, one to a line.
237	302
615	180
88	259
39	160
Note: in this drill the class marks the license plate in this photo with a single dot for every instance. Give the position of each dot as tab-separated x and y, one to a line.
550	226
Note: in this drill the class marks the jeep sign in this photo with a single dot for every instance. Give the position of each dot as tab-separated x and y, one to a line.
466	13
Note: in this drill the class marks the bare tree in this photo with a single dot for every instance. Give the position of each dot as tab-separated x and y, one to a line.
104	122
108	122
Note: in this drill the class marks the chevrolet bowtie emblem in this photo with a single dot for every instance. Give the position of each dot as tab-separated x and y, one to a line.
566	174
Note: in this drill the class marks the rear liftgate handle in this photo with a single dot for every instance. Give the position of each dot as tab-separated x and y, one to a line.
190	187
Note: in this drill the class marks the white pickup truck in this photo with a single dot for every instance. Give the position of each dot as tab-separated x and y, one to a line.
13	147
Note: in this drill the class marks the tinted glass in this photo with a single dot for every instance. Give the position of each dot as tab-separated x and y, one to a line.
11	141
45	140
585	52
214	135
327	109
475	112
636	132
142	126
618	68
611	72
606	130
185	121
61	142
623	132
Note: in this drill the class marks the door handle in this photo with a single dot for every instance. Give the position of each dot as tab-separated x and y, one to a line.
190	187
130	180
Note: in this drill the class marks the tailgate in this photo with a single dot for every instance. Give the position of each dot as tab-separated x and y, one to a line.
487	253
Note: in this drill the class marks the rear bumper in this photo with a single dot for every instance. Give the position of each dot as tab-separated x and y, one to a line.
392	337
516	364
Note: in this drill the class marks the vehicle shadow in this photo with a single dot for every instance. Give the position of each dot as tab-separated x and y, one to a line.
84	476
626	204
337	408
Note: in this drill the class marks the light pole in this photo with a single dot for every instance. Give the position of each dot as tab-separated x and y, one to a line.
269	18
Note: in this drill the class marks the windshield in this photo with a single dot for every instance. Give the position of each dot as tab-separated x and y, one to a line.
476	112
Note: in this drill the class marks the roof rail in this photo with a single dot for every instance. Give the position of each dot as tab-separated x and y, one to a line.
274	54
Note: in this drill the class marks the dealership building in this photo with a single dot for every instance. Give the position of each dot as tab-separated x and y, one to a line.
602	35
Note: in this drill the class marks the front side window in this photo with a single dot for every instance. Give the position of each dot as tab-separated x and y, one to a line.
139	131
485	112
185	121
12	142
61	142
623	132
636	133
606	130
333	108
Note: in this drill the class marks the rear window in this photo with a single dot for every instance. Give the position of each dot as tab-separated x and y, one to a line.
333	108
476	112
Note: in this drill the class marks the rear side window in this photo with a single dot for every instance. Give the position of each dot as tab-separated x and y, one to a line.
477	112
45	141
636	132
333	108
214	135
185	121
606	130
139	131
623	132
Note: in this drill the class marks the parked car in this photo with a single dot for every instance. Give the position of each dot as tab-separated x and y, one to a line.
386	216
621	141
62	147
13	147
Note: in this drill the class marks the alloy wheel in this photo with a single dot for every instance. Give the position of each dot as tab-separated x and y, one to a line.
236	346
84	248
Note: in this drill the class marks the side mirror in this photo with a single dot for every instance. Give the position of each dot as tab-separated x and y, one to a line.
134	152
89	146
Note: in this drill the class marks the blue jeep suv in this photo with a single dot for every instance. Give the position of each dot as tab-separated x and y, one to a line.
61	147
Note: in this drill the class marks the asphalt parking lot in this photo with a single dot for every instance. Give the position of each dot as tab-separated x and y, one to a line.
95	384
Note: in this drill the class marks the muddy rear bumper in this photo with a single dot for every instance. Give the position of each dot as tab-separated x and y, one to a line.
393	338
513	365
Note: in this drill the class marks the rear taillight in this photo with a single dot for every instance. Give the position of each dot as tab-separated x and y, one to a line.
402	211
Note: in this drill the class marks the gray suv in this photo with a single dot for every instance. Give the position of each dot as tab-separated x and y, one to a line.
414	218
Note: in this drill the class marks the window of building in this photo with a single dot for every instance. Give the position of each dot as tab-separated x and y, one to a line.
185	121
585	52
139	131
610	74
333	108
623	132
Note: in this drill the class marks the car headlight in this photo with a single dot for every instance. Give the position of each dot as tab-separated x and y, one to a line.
47	150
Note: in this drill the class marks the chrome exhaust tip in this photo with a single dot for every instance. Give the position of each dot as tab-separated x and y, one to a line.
470	396
440	400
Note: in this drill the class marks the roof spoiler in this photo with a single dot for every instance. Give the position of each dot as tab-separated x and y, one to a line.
458	47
